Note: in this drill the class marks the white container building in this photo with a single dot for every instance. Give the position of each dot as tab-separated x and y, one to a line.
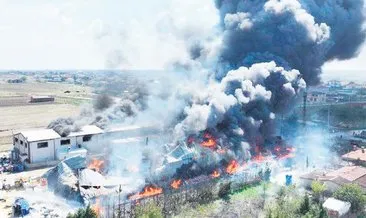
42	147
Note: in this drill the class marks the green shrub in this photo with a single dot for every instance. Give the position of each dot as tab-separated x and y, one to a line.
149	211
352	193
87	212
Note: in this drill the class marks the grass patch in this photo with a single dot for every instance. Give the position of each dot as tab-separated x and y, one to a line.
252	191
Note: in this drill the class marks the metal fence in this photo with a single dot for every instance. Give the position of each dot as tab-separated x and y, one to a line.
171	200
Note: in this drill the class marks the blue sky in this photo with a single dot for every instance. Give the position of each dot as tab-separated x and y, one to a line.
83	34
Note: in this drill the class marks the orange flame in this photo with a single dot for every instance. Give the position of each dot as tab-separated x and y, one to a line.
215	174
287	156
176	184
209	141
259	158
147	192
232	168
97	208
96	164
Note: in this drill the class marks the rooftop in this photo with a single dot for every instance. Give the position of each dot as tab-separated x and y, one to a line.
87	130
40	134
344	175
359	154
350	173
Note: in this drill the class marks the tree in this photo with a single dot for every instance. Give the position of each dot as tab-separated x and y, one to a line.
352	193
318	189
87	212
149	211
305	205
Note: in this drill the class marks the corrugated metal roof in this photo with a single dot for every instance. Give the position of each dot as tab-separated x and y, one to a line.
40	135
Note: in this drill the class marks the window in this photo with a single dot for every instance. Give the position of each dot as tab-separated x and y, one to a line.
42	145
87	138
65	142
21	142
26	145
16	139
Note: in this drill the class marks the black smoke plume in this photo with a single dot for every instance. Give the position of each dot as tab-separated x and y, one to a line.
298	34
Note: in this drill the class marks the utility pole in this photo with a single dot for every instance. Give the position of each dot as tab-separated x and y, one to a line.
304	110
329	116
119	201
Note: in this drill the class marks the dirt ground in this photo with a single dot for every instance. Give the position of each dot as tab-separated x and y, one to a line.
17	113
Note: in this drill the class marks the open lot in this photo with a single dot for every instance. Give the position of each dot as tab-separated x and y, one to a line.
17	113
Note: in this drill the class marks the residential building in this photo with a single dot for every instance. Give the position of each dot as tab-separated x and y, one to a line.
335	179
316	97
357	157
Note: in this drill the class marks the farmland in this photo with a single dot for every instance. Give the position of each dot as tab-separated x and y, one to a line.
17	113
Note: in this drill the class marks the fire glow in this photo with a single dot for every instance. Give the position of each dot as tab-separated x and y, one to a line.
215	174
209	141
147	192
97	207
233	167
96	165
176	184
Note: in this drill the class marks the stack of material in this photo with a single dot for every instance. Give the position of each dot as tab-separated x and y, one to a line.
71	180
91	178
63	180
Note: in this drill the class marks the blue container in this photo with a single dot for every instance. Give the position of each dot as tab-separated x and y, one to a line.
288	180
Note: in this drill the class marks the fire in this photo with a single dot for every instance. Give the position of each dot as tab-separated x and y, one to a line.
176	184
190	140
287	156
215	174
147	192
259	158
96	164
209	141
232	168
97	208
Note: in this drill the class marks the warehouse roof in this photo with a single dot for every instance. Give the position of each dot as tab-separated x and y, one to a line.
40	135
87	130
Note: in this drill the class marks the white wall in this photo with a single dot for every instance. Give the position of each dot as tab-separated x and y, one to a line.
22	148
42	154
72	142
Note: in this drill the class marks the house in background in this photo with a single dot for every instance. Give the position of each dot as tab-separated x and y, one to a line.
358	157
335	179
44	147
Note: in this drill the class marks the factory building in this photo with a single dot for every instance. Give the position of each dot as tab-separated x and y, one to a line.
43	147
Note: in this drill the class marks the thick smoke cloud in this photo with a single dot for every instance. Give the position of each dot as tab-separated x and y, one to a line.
270	51
244	103
296	34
